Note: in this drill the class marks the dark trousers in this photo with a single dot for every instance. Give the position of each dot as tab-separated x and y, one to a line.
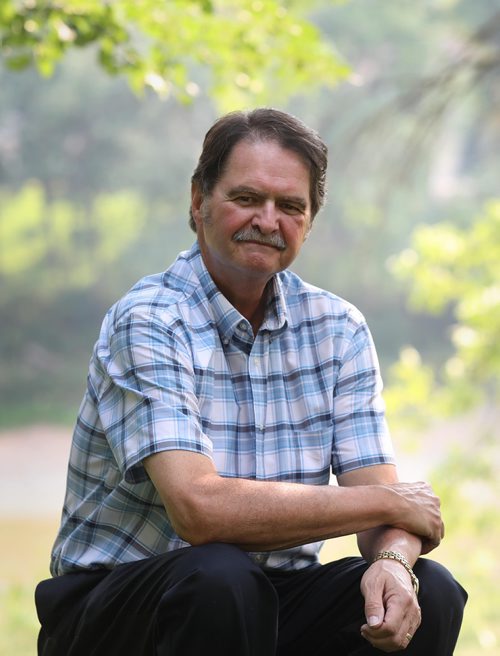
213	599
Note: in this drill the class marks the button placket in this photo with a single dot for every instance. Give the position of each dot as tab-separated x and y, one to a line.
257	369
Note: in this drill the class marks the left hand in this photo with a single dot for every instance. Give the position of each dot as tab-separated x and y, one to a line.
391	606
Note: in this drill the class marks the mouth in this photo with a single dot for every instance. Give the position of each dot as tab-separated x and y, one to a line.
275	241
261	243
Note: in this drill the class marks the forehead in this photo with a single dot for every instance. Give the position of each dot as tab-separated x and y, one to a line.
266	165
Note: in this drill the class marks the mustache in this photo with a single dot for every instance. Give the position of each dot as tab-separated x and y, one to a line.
255	235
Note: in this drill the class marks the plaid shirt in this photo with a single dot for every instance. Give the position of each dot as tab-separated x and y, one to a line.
176	366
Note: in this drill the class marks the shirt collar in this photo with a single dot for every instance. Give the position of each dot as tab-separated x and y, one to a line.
227	318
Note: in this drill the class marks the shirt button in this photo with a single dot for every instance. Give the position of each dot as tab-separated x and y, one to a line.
242	326
260	558
225	341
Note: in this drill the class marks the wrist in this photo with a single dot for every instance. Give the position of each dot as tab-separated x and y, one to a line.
400	558
394	505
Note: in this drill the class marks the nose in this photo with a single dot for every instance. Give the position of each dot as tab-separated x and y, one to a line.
266	218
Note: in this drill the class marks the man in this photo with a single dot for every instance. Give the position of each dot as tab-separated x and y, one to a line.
219	395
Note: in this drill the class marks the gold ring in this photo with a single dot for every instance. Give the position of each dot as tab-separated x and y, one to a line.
409	636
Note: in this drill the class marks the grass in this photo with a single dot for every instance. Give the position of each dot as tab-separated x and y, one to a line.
24	553
15	413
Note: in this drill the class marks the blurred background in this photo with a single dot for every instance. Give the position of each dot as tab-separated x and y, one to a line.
103	108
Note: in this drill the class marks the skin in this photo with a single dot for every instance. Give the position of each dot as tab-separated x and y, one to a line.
265	189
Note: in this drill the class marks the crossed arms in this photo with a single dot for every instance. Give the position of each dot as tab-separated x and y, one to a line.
259	516
204	507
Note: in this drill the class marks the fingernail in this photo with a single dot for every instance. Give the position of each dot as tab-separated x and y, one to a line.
373	620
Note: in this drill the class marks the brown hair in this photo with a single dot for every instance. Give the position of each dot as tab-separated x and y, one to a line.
268	125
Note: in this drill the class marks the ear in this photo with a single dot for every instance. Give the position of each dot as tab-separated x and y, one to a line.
309	228
196	203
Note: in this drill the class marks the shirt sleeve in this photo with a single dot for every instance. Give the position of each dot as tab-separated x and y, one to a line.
361	435
145	393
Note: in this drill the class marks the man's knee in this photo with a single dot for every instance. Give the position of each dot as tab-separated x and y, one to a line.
221	573
442	599
220	560
438	585
221	599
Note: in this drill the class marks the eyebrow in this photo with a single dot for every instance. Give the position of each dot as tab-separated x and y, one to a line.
243	189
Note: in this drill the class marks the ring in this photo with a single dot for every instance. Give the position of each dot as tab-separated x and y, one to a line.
409	636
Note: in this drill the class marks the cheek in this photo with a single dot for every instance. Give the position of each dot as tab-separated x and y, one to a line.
294	236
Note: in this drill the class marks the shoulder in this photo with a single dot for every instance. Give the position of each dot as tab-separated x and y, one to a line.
306	302
162	299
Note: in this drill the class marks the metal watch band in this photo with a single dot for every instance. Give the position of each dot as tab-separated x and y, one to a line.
395	555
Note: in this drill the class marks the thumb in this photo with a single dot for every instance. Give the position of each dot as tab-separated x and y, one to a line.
374	612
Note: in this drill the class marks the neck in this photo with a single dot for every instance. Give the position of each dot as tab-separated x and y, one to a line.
250	302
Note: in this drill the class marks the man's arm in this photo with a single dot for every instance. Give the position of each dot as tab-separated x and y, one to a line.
386	538
204	507
391	605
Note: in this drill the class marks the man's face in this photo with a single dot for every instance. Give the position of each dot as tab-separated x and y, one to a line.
258	215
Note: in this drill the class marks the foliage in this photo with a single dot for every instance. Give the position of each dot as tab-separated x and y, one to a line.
414	138
248	46
449	266
47	247
458	270
51	253
468	486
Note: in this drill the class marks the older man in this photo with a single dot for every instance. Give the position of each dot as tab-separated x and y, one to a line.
220	395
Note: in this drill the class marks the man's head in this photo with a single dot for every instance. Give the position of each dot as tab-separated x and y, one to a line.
261	125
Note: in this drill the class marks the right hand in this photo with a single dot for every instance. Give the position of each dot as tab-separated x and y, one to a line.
421	513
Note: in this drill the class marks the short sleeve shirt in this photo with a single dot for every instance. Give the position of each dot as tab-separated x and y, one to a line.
176	366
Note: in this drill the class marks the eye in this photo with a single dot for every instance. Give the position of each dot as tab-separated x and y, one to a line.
244	200
291	208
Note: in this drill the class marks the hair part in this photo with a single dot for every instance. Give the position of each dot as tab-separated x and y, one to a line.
264	124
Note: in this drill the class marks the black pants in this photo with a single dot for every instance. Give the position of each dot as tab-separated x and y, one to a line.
214	600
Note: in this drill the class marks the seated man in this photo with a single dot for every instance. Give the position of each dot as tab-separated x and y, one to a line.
220	395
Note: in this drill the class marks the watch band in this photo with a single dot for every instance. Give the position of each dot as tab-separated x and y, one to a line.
395	555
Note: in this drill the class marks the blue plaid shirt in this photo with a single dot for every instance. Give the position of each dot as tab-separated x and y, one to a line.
176	366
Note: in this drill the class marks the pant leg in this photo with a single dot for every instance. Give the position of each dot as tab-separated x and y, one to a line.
225	605
59	604
322	610
442	600
198	600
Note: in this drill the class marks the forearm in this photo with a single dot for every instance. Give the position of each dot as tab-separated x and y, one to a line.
405	535
387	538
204	507
262	516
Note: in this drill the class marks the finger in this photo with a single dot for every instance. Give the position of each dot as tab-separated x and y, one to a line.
407	639
374	611
390	636
387	642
